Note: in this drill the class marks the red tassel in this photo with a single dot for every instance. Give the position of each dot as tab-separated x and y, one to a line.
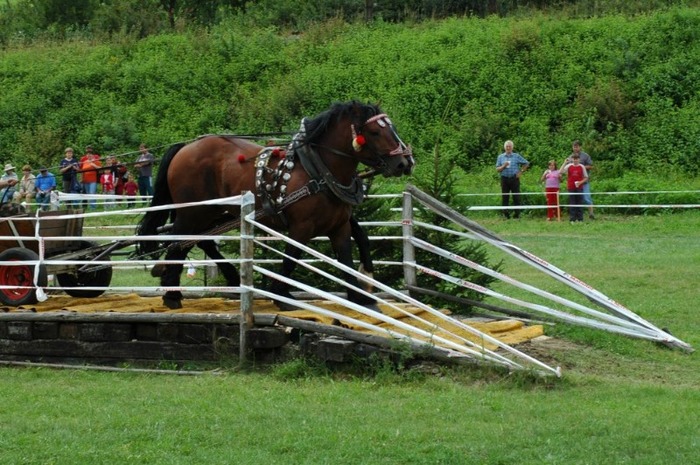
357	142
275	152
241	158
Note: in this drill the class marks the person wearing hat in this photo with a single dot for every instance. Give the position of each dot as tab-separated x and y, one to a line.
8	181
26	191
45	184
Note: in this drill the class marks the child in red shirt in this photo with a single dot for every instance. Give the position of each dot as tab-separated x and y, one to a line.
576	176
131	188
107	183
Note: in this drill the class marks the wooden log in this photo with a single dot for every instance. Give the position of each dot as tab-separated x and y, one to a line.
473	303
371	339
335	349
264	319
117	351
267	338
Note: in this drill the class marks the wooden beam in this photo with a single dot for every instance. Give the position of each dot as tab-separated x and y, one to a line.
372	339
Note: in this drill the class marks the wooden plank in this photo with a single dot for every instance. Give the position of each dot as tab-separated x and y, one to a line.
132	350
371	339
469	302
63	316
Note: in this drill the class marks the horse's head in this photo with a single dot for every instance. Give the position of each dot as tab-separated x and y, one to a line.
364	133
379	146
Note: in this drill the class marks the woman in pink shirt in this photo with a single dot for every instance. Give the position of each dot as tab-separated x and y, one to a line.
551	178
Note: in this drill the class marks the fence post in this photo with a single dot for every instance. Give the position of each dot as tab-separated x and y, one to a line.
247	318
409	253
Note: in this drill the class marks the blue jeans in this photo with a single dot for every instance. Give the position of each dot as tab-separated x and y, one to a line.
91	188
587	199
43	199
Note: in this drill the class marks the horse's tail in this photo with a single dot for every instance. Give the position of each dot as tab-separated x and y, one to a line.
152	220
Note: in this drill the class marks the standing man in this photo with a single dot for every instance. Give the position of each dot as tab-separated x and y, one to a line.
145	165
89	166
510	166
587	163
69	168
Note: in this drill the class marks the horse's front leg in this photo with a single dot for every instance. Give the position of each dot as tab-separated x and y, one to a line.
342	246
363	246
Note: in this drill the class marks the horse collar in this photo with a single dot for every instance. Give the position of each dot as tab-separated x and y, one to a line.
352	194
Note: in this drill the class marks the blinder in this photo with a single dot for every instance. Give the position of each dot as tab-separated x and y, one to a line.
398	161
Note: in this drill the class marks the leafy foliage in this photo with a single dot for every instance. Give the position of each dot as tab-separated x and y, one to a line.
457	87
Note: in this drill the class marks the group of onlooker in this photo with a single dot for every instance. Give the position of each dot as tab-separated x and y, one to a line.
26	189
575	167
78	176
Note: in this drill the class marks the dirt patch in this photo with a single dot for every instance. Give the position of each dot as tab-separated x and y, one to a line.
552	351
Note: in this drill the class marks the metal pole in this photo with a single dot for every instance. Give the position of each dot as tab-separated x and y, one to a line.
247	318
409	253
558	208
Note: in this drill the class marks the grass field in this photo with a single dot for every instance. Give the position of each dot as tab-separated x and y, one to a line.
620	400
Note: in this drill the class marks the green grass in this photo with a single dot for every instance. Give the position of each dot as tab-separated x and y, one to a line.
620	400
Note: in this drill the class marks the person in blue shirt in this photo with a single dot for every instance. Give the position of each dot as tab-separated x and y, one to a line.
44	183
510	166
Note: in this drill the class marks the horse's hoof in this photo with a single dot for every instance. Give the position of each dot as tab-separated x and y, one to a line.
231	295
171	303
285	307
374	307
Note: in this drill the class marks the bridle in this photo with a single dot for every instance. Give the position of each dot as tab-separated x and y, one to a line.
378	161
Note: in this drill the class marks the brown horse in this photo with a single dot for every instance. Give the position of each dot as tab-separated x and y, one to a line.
308	190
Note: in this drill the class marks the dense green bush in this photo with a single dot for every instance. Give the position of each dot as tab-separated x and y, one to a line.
623	85
456	88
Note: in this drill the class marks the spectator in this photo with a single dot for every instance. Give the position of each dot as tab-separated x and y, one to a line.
145	165
89	166
576	177
120	174
45	185
511	166
130	188
107	181
69	168
8	181
26	192
551	178
587	163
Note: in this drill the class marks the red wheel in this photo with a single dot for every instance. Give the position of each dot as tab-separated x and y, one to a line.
19	275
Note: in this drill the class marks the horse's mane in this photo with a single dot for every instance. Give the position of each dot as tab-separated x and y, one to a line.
317	126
